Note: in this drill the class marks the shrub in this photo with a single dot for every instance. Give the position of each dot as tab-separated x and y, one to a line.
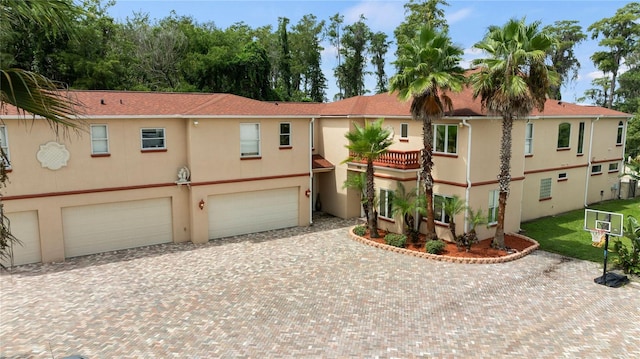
360	230
629	256
396	240
435	246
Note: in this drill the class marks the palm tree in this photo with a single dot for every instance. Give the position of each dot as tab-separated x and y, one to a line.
368	143
358	181
511	82
430	69
410	206
452	207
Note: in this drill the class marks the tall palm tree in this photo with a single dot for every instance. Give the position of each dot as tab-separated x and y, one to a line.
430	69
368	143
511	82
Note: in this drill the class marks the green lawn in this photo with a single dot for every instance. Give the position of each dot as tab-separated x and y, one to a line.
563	233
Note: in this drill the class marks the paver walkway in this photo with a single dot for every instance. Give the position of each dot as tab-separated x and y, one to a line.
312	292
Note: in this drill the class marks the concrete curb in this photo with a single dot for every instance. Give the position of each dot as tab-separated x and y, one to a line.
442	258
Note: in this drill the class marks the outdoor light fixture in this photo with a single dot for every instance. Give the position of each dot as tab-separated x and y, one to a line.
195	123
201	204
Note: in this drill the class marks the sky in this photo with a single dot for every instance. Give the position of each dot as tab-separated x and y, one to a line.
468	21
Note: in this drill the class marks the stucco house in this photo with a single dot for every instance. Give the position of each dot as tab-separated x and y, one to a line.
151	168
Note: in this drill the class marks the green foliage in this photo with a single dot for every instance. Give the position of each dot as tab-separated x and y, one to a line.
453	206
406	204
395	239
629	255
360	230
567	34
435	246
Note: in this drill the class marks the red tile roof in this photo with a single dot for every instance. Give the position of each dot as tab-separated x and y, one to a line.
319	162
129	103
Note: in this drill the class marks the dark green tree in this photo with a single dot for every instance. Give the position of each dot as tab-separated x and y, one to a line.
351	73
564	62
378	49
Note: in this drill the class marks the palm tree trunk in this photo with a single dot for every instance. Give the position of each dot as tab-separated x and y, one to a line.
427	165
373	218
504	179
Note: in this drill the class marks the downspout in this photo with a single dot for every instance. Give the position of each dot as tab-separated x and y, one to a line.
589	163
468	188
313	119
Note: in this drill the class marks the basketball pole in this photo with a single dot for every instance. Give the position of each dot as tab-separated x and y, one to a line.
606	251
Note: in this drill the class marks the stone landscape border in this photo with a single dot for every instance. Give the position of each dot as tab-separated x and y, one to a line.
438	257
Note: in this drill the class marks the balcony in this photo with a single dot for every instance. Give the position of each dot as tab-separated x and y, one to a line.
402	160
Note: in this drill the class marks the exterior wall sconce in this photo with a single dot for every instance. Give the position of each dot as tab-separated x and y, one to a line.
307	193
195	123
201	204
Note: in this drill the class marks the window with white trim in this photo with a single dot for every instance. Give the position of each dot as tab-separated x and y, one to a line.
580	138
564	135
445	138
386	203
285	134
4	144
545	188
613	167
153	138
492	216
438	208
99	139
595	169
249	140
562	176
620	133
528	139
404	131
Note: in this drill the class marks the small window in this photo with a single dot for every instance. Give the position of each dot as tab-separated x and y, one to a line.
386	204
564	134
100	139
445	138
438	208
285	134
613	167
562	176
493	206
595	169
545	188
4	144
528	139
249	139
404	130
580	138
620	133
153	138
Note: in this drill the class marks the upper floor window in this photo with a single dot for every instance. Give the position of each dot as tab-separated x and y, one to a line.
528	139
438	208
580	138
492	216
620	133
4	144
613	167
153	139
445	138
404	131
596	169
100	140
386	203
249	139
564	134
545	188
285	134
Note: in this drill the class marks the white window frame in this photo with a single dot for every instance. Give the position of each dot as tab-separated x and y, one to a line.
385	206
151	148
446	139
614	164
563	176
545	188
620	133
288	135
4	143
581	127
105	139
404	131
528	139
494	202
596	169
441	216
254	141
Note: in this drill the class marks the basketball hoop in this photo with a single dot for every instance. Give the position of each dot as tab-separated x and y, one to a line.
598	237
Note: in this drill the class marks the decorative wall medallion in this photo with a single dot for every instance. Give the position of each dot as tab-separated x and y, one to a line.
53	155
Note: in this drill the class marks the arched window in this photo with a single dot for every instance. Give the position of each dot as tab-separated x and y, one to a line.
564	134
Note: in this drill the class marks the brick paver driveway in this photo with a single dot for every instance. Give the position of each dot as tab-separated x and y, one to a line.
312	292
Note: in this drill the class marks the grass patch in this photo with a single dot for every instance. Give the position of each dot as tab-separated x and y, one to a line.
563	233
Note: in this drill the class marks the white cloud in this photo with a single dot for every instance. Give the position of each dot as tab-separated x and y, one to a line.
459	15
381	16
595	75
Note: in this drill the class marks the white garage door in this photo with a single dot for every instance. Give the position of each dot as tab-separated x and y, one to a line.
24	226
251	212
112	226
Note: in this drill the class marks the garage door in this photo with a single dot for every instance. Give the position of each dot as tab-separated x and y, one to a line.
251	212
108	227
24	226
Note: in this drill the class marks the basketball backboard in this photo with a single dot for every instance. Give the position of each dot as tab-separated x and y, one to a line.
607	222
